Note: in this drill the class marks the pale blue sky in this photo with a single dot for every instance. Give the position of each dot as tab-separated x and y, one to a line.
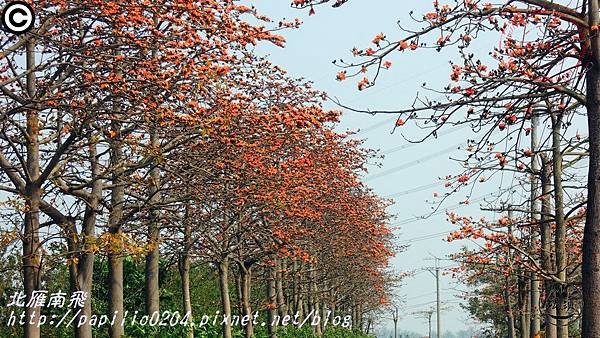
331	34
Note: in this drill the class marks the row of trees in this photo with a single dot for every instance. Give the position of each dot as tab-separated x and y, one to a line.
526	271
150	129
523	100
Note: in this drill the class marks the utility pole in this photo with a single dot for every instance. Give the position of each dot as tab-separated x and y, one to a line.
430	313
437	287
427	314
395	318
438	301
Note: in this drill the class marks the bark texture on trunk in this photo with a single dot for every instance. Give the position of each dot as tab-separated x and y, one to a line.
535	306
184	273
534	302
547	252
246	288
510	318
152	294
115	294
315	300
591	237
115	259
281	297
560	236
151	273
223	267
523	308
272	298
82	276
33	195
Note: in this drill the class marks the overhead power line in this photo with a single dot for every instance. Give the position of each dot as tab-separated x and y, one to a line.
414	190
389	121
423	238
412	163
443	211
410	145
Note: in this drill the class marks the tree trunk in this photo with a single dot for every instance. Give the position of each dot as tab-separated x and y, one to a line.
560	238
151	276
315	299
523	300
151	273
547	252
82	278
281	299
360	317
591	237
332	301
223	267
510	318
355	323
115	293
535	325
246	288
534	302
115	259
297	289
184	272
33	194
272	299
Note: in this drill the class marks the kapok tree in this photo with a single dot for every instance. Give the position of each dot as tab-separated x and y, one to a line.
544	239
